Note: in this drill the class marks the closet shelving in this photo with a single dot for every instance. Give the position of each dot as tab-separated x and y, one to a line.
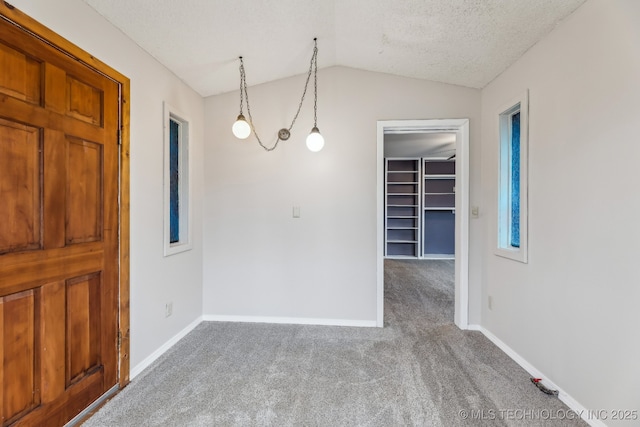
419	207
402	198
438	206
439	184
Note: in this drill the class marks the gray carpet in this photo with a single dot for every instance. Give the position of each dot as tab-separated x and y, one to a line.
419	370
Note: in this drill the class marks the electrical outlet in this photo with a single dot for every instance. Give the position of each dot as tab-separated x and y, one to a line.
490	302
168	309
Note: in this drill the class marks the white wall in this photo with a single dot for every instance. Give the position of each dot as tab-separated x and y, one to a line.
261	262
155	280
572	311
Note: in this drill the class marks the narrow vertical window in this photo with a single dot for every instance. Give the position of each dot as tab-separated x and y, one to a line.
512	188
174	181
177	210
514	228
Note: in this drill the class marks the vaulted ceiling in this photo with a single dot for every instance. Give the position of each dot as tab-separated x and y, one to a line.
462	42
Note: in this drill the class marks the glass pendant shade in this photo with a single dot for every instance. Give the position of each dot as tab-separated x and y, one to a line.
315	141
241	128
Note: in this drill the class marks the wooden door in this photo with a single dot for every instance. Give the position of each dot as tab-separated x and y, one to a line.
59	151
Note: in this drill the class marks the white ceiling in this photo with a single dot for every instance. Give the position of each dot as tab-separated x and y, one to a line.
463	42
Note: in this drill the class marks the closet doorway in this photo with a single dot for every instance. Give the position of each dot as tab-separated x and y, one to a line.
423	195
419	195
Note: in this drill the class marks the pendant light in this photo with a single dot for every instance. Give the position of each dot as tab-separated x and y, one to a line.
243	128
315	140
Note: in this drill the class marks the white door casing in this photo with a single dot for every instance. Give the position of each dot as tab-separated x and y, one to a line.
461	129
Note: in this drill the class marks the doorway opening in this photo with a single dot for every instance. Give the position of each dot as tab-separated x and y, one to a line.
448	141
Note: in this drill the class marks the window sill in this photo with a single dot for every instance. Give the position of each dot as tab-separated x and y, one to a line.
514	254
177	248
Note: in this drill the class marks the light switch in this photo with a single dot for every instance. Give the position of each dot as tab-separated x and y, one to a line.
475	211
296	211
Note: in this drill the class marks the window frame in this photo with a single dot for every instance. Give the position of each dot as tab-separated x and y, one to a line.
504	248
184	242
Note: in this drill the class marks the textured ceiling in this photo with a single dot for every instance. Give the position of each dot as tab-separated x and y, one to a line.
463	42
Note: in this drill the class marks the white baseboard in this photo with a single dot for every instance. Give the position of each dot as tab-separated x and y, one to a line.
289	320
573	404
136	370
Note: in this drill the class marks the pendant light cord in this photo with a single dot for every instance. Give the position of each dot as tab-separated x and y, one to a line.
241	84
314	61
313	69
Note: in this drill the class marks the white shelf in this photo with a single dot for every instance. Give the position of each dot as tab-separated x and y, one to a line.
396	246
438	191
401	256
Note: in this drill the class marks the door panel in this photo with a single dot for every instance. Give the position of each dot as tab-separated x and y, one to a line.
21	75
83	326
20	161
84	192
84	102
20	355
59	236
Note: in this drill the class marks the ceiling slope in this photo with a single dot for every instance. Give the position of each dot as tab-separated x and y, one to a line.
462	42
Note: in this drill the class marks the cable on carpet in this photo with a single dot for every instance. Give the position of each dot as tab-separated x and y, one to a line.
543	388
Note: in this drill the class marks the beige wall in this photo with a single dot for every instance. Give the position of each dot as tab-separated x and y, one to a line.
261	262
572	311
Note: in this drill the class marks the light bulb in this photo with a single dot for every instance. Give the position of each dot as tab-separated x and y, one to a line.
241	128
315	141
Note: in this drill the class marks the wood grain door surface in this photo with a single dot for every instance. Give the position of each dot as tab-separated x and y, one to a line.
58	232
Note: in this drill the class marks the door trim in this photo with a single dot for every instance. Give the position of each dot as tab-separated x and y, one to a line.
461	128
14	16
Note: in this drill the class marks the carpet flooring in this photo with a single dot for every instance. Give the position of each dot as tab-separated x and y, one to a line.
419	370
